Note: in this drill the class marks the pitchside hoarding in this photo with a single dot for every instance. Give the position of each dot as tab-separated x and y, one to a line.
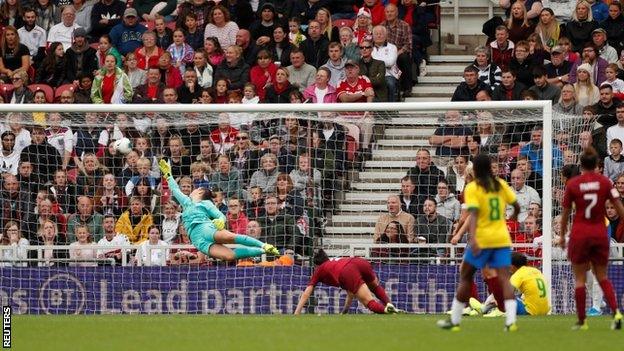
222	290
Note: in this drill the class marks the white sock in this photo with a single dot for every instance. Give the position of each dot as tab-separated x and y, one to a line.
457	308
490	299
597	295
510	311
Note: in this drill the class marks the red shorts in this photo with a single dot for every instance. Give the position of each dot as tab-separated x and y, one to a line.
355	273
589	249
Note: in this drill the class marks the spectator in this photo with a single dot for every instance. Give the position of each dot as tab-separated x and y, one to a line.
488	73
605	51
394	214
221	26
543	89
399	33
336	63
177	156
280	47
190	92
306	10
214	52
111	85
433	228
288	199
279	92
458	173
9	156
567	101
614	26
521	64
255	205
137	76
525	194
315	46
262	75
305	176
392	234
425	175
33	36
606	105
48	235
468	89
56	68
83	13
111	238
518	23
616	83
181	52
170	96
47	14
226	179
374	70
266	177
60	137
152	90
105	48
509	89
351	50
410	201
16	246
149	10
85	217
598	65
105	14
148	55
125	35
548	28
43	156
146	254
558	69
616	131
89	175
169	74
533	150
586	92
450	139
323	16
532	8
614	163
81	58
502	49
262	28
321	91
279	229
224	136
20	94
62	32
164	34
135	222
14	55
203	69
599	10
387	53
250	50
447	204
579	29
109	199
301	74
233	68
14	203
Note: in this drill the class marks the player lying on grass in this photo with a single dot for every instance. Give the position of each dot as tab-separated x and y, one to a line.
486	199
205	225
353	274
529	282
589	243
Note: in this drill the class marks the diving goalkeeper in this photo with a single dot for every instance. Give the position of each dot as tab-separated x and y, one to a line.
206	225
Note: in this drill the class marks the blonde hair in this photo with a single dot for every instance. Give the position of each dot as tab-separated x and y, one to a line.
525	20
590	16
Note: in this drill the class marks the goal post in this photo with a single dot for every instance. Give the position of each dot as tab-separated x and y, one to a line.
349	221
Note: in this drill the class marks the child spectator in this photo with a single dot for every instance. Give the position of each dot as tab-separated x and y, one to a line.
80	249
294	35
194	36
218	199
164	35
568	54
617	84
144	166
181	52
136	75
198	175
614	163
157	257
236	218
220	94
255	206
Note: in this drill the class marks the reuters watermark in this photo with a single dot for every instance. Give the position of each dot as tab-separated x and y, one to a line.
6	327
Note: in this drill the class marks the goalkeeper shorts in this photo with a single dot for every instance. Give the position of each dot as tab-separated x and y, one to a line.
202	236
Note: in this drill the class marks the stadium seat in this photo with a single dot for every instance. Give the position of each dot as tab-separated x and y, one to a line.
343	23
7	89
59	90
95	45
351	146
49	92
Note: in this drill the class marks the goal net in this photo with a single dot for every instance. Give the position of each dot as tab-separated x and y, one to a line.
77	209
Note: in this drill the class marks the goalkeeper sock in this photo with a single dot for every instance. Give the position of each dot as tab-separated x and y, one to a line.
580	296
495	288
510	314
244	252
607	289
457	308
247	241
381	294
375	306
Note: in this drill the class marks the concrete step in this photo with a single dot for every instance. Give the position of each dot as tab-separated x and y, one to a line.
393	155
360	218
428	99
367	196
416	118
396	131
450	58
370	176
433	91
404	165
445	70
348	231
362	207
376	186
416	143
438	80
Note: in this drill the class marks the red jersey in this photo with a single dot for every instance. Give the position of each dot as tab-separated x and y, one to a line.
360	86
329	272
589	192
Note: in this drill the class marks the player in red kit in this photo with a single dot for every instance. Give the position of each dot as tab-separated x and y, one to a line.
589	243
353	274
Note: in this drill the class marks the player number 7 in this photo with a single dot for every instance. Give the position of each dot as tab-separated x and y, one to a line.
593	200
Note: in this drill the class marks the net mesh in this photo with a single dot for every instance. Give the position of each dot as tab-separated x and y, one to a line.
299	180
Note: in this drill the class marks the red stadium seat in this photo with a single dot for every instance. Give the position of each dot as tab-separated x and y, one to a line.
59	90
351	147
343	23
6	90
49	92
95	45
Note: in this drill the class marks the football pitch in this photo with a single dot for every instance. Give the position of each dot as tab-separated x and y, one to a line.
307	332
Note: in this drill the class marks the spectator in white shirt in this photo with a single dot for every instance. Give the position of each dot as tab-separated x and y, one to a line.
111	238
15	248
525	195
60	137
22	135
157	257
9	157
82	249
388	53
63	32
616	131
33	36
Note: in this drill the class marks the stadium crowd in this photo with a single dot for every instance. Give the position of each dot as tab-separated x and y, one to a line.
65	183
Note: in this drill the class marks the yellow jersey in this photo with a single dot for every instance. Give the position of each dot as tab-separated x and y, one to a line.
531	283
491	229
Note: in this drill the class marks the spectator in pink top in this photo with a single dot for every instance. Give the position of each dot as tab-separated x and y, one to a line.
321	91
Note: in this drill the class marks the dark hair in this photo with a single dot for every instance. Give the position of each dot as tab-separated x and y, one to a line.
606	86
528	94
569	171
589	159
320	257
539	72
616	141
482	167
402	237
472	69
518	260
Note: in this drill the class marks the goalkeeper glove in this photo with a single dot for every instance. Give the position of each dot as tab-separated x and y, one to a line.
219	223
165	168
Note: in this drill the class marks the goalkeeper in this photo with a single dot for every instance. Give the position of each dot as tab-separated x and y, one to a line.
206	225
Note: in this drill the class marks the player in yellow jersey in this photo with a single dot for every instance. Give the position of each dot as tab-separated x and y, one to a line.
530	283
486	198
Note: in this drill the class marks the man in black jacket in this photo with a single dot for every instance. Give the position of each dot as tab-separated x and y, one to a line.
425	174
315	48
104	16
468	89
43	156
81	56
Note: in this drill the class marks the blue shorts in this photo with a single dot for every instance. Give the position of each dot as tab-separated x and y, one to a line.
521	309
493	258
202	236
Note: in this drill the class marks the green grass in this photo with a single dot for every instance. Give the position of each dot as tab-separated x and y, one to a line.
308	332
